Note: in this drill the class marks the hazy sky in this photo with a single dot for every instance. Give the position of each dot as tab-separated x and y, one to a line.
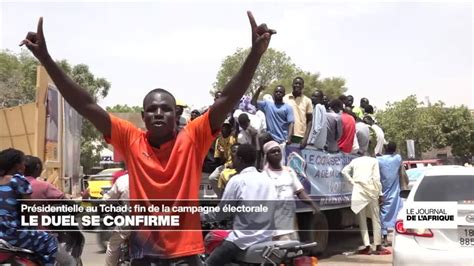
385	51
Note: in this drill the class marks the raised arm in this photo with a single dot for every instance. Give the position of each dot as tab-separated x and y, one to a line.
236	87
256	95
72	92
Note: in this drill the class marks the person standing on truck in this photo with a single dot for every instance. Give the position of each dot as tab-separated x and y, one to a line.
287	185
252	126
334	125
302	110
390	169
377	130
360	110
279	115
364	174
317	135
162	162
346	142
362	136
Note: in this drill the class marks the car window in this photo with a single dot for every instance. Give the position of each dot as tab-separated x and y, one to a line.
445	188
415	174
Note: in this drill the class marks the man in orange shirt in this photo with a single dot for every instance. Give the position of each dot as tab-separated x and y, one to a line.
162	163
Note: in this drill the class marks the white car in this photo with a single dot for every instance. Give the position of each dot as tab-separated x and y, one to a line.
416	173
426	246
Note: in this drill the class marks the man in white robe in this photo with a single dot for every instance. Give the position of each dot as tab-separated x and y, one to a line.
364	174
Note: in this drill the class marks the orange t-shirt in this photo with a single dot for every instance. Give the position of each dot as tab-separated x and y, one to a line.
172	171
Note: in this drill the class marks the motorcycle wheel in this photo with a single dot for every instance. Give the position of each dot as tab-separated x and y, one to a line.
103	239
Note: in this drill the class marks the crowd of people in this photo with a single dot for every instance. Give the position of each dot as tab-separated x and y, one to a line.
330	125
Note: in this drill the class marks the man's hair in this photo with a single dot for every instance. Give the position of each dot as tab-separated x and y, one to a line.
343	98
229	126
391	147
243	117
279	86
264	138
336	104
32	165
247	153
160	91
369	109
318	91
368	120
298	78
9	158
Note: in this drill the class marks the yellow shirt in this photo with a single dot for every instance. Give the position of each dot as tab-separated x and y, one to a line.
301	107
223	147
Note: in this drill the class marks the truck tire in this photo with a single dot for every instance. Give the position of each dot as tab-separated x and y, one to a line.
315	229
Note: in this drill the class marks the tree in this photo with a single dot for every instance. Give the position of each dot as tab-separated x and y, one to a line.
18	86
430	126
273	66
457	127
332	87
276	68
124	109
17	79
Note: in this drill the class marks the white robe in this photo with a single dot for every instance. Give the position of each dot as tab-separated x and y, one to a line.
364	174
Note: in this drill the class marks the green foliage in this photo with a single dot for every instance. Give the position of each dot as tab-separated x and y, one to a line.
17	79
18	86
124	109
430	126
98	88
332	87
274	65
276	68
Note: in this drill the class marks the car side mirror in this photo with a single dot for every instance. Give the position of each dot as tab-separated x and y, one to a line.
404	194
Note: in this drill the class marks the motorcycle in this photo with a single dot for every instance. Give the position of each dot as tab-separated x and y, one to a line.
70	246
11	255
124	255
288	252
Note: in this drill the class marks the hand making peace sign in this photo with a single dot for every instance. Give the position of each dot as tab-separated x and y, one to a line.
261	35
36	43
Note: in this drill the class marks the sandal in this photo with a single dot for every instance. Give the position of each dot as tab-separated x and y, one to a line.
363	252
383	251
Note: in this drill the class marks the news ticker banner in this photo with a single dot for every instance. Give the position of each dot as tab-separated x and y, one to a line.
434	215
146	215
